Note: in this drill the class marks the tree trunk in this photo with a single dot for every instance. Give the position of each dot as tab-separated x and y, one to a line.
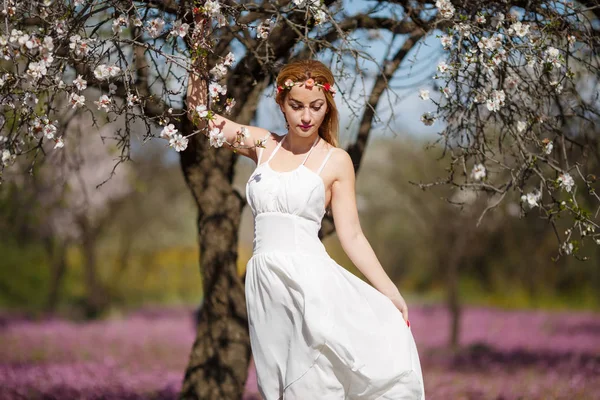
453	302
58	263
455	256
96	302
218	364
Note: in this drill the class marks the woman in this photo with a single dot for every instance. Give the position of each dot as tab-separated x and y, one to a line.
316	330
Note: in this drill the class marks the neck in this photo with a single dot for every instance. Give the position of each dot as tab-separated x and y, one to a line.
298	144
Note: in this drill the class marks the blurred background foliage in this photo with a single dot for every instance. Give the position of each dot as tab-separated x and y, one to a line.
147	253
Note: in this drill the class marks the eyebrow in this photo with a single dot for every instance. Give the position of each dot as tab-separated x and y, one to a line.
298	101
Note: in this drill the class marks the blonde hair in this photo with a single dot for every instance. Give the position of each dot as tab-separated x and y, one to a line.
302	70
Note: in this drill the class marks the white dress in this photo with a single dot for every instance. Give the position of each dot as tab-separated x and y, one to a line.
317	331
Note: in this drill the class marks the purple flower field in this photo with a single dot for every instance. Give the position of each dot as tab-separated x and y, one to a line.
504	355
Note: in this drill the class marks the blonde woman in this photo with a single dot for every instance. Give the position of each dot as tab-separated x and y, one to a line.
316	330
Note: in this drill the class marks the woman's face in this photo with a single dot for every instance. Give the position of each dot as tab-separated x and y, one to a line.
305	109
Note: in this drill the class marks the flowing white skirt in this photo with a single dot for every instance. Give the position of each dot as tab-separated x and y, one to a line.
319	332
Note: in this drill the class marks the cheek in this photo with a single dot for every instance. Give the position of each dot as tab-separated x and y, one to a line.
321	115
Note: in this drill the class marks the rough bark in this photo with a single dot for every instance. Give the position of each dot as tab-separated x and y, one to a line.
219	360
95	301
57	253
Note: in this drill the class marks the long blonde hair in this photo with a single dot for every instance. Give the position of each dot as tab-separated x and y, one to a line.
302	70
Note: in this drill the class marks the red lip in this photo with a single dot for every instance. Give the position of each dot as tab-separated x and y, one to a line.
305	126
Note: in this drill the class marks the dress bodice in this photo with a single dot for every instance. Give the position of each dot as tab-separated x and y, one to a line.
299	192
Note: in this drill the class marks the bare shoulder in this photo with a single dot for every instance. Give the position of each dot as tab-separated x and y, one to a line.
344	168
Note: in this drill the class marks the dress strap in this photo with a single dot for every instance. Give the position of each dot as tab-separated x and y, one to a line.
261	150
311	149
325	161
276	148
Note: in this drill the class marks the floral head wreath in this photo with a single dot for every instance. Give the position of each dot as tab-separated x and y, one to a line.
309	83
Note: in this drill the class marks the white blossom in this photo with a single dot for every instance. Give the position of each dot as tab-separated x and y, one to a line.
103	103
179	29
80	83
49	131
212	7
214	90
424	94
478	172
496	100
76	100
178	142
263	29
442	67
48	43
244	132
518	28
567	247
59	143
445	7
557	87
168	131
229	59
216	137
552	55
446	41
532	199
131	99
218	71
566	182
155	27
36	70
320	16
469	57
119	23
30	99
7	158
446	91
521	126
202	111
103	71
547	146
480	19
79	46
463	28
229	105
428	119
60	27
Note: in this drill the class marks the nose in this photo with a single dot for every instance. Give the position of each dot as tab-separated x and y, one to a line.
305	116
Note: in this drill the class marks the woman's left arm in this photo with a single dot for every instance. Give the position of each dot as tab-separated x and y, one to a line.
354	242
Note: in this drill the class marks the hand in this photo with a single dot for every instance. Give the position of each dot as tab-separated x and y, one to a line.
400	304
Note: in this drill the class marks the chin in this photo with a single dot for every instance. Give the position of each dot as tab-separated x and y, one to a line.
302	133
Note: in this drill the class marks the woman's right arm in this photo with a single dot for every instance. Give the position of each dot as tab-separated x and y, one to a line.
197	94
